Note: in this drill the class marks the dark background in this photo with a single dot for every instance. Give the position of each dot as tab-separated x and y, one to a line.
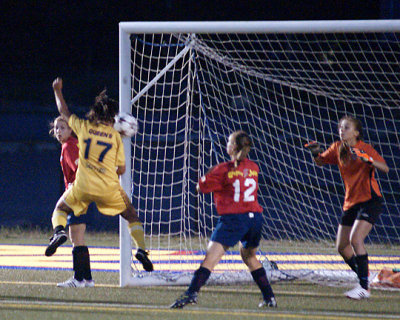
78	40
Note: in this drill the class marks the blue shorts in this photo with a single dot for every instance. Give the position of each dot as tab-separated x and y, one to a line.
232	228
73	219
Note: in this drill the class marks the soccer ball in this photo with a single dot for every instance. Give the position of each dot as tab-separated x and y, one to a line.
126	124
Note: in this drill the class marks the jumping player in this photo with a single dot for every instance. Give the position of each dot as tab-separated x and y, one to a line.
362	206
235	186
77	225
101	161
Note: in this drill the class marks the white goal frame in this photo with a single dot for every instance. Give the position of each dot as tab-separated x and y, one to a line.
125	100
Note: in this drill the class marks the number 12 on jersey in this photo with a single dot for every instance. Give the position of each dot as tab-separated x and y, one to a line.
248	196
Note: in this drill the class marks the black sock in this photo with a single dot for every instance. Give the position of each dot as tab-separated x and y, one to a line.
352	263
200	277
362	272
58	228
81	263
260	277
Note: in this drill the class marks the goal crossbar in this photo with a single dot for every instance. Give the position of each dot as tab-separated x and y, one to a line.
323	26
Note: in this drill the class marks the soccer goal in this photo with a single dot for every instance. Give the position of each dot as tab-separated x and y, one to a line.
190	84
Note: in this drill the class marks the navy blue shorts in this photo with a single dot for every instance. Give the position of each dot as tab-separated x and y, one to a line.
72	219
232	228
368	211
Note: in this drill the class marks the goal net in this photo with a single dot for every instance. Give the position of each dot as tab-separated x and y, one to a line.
192	84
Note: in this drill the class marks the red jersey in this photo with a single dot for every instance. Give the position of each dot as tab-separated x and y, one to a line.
358	176
235	189
69	160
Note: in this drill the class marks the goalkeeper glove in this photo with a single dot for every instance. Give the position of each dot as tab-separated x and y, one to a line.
362	155
314	147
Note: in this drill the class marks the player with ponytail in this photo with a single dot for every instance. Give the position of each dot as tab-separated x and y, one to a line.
235	185
101	161
362	206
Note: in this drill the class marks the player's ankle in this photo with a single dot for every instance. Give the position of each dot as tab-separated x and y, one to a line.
58	228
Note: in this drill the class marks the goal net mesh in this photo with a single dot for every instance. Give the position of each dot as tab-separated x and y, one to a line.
284	90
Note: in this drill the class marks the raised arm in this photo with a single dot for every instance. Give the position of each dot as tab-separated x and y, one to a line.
61	104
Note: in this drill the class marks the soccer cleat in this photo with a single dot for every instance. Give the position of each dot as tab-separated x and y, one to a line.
56	240
184	299
142	256
72	283
372	276
271	303
89	283
358	293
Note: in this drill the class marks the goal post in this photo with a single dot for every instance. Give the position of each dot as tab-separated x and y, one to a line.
125	80
190	84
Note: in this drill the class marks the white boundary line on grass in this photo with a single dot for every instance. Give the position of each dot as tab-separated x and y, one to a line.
205	289
113	307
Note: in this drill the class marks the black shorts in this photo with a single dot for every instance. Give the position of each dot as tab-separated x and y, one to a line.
368	211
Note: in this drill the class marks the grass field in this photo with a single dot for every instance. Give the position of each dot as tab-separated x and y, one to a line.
32	294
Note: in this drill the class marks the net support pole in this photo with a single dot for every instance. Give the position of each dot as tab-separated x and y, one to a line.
125	106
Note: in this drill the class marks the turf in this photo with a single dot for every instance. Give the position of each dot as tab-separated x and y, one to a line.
32	294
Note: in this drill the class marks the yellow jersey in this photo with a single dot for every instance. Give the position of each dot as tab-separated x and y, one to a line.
100	153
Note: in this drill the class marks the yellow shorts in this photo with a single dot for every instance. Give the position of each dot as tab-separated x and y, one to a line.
109	204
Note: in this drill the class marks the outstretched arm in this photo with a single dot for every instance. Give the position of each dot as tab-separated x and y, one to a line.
61	104
315	149
363	156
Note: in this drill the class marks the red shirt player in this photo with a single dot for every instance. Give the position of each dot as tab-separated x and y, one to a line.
235	186
77	225
227	181
69	160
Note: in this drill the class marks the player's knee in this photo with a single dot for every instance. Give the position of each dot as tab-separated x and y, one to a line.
341	247
245	256
246	261
130	215
248	257
61	206
252	262
357	242
77	234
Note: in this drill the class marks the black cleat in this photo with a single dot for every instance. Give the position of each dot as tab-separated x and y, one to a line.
142	256
184	299
56	240
271	303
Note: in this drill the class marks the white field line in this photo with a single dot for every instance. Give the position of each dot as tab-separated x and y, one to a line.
240	313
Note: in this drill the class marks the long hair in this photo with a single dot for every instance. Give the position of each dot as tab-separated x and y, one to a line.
103	110
52	125
344	149
243	145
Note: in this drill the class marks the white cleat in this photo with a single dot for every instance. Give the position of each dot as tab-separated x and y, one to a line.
358	293
72	283
89	283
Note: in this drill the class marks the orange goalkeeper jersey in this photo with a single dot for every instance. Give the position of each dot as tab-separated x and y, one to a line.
358	176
